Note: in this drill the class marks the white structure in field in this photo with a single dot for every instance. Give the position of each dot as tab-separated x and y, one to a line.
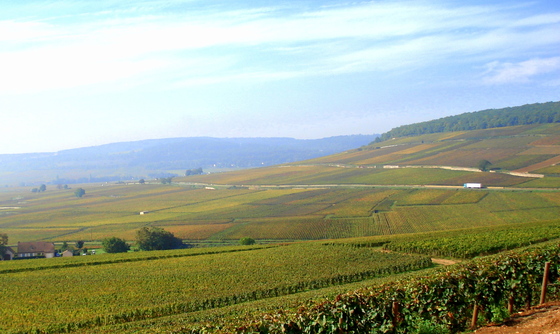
472	185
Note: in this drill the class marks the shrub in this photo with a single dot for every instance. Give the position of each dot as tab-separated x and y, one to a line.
246	241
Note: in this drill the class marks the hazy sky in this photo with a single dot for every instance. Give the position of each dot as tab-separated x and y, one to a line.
83	73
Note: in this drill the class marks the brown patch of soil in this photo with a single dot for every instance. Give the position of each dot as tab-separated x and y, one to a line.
443	261
544	319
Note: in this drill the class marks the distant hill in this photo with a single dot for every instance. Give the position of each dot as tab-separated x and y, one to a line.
536	113
165	157
520	156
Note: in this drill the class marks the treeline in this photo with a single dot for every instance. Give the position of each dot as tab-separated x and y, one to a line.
536	113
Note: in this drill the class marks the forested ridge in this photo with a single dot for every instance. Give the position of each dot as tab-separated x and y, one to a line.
536	113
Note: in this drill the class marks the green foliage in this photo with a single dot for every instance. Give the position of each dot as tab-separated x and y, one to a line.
166	283
498	314
444	299
166	180
155	238
80	244
494	118
64	246
246	241
42	188
484	164
80	192
428	327
115	245
467	244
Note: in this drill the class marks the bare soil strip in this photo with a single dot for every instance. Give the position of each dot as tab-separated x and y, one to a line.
443	262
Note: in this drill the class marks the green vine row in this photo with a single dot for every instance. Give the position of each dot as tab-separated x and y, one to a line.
444	300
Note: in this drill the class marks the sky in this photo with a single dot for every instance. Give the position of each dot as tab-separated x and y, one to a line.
85	73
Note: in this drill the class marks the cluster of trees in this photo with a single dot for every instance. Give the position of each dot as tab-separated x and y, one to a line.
41	189
195	171
78	192
152	238
115	245
536	113
147	238
156	238
165	180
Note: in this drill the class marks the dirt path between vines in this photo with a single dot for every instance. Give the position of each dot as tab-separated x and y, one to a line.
444	262
543	319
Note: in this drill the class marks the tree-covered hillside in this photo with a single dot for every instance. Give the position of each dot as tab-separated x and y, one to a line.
492	118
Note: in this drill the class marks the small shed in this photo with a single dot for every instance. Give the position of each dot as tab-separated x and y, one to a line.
36	249
67	253
144	212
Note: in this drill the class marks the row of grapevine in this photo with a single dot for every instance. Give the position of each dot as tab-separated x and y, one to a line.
445	299
467	244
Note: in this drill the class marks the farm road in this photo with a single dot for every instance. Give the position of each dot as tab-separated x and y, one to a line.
351	185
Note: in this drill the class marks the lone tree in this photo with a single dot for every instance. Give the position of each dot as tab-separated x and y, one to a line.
64	246
42	188
483	165
80	192
80	244
115	245
156	238
246	241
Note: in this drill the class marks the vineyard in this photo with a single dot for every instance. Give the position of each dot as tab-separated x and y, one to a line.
466	244
354	221
443	301
119	288
169	291
195	213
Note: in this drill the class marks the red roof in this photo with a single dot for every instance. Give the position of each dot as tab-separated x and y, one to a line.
35	247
